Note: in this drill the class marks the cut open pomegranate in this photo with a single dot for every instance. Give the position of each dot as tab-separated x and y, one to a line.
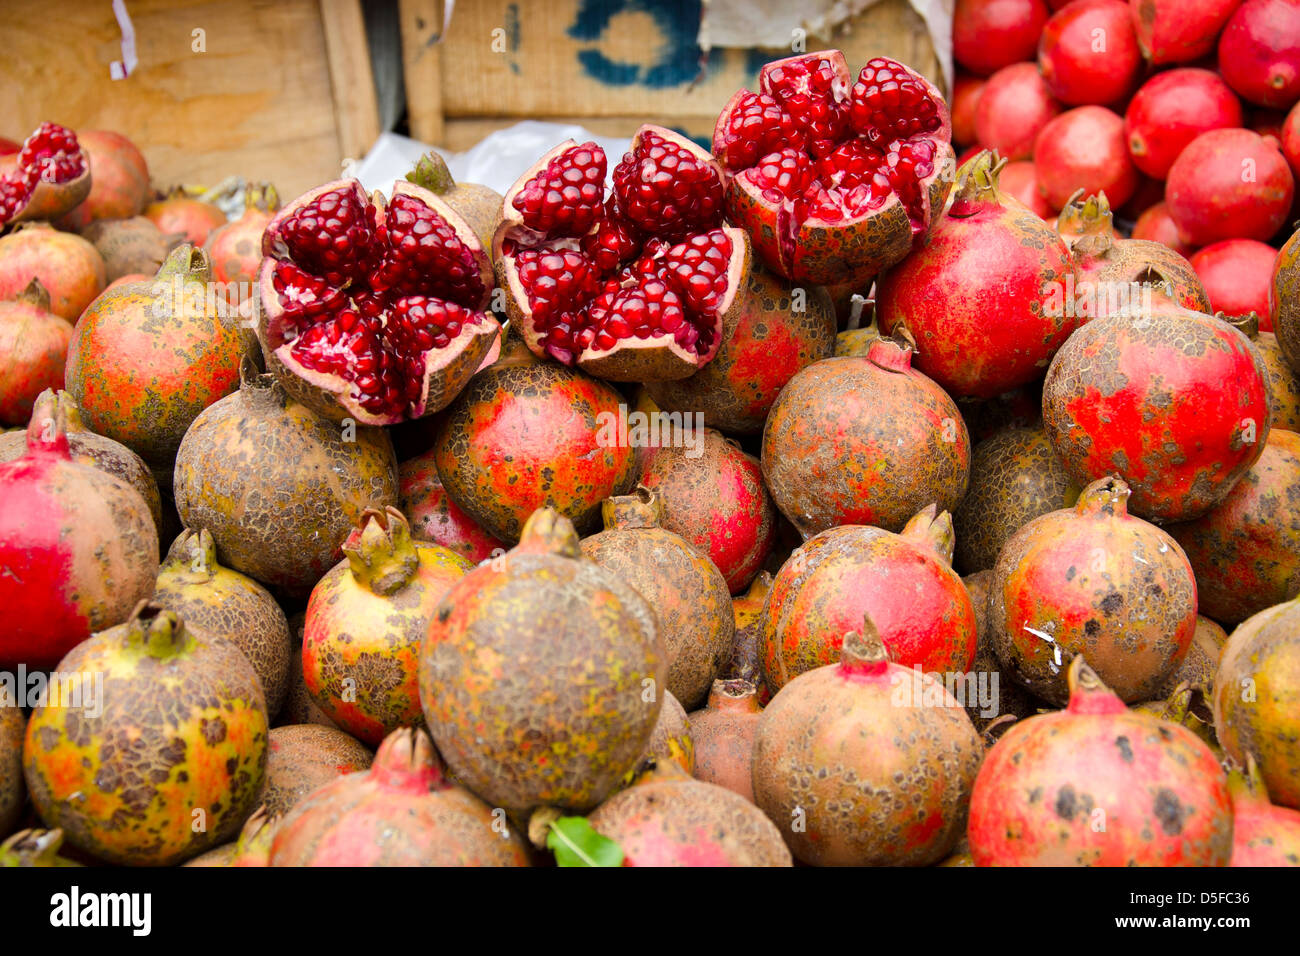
632	287
373	309
51	177
835	180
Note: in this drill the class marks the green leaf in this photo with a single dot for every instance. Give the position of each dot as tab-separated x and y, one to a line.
575	843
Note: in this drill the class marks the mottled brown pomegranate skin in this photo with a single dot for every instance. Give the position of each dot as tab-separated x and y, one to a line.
671	740
1284	300
1011	699
747	651
435	517
1283	382
723	733
13	723
302	758
1201	663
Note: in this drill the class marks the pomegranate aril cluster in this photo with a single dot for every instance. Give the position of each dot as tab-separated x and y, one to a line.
887	103
52	154
566	200
815	101
333	236
425	256
665	190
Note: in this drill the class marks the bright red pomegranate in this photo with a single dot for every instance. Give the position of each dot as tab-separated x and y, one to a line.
1019	180
403	811
864	440
966	90
1086	149
33	349
191	217
79	546
1229	184
835	180
1098	784
435	517
988	35
1157	225
51	177
866	762
1262	834
373	310
1291	139
1259	52
235	248
1179	31
1170	110
987	256
67	265
1236	274
904	582
1173	402
120	186
1089	54
1013	107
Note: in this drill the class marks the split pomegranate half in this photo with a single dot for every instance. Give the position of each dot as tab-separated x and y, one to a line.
835	180
373	309
50	178
633	287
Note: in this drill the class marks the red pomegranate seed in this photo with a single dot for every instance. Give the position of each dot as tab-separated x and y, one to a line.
809	90
566	198
613	242
304	297
888	102
554	279
333	237
666	190
425	256
14	191
697	268
757	126
782	175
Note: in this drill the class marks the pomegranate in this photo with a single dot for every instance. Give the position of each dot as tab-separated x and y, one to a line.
712	495
1283	300
987	256
1173	402
191	217
1004	697
1084	148
1156	225
686	589
1236	274
777	330
13	794
403	811
538	676
235	248
835	180
1259	52
1290	139
434	517
865	440
120	180
68	266
671	741
130	246
478	205
1170	110
1179	31
299	707
1262	834
988	35
302	483
1092	580
723	733
866	762
1020	181
966	90
1257	698
79	546
34	346
251	848
668	819
181	738
1283	382
226	604
904	582
1089	54
1014	478
746	652
1014	106
1229	184
302	758
1097	784
557	428
365	621
34	847
373	311
1198	667
52	176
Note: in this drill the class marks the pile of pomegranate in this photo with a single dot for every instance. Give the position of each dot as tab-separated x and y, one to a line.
813	495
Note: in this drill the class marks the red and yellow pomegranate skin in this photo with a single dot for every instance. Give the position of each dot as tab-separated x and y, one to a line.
904	582
119	186
68	266
194	218
747	651
1262	834
435	517
34	343
1097	784
1173	402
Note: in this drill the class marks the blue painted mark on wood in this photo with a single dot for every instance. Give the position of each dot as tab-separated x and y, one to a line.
512	34
678	57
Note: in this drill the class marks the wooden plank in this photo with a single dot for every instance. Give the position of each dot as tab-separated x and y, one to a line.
356	106
421	23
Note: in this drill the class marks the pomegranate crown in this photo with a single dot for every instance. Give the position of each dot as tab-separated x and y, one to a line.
156	632
1088	695
47	432
195	550
407	762
864	651
380	552
641	509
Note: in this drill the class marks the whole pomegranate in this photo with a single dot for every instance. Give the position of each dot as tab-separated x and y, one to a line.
13	793
373	310
434	517
747	651
1257	698
130	247
1170	110
688	592
1014	478
1229	184
987	255
365	621
180	739
235	247
1156	225
34	346
1291	139
68	266
993	696
667	819
1262	834
966	90
302	758
712	494
1179	31
723	733
1283	300
1199	666
403	811
988	35
302	483
79	546
226	604
50	177
670	741
1236	274
1173	402
1259	52
1088	53
1092	581
194	218
120	180
1013	107
835	180
1084	148
865	440
1019	180
1097	784
866	762
538	675
903	582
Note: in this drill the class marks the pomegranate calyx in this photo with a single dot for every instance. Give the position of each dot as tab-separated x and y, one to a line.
47	431
977	185
893	354
380	552
407	763
34	847
548	532
1246	784
36	295
932	530
194	555
1088	695
641	509
734	695
156	632
432	173
1105	496
1247	323
864	652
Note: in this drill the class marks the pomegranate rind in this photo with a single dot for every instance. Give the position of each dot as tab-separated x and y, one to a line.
48	201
